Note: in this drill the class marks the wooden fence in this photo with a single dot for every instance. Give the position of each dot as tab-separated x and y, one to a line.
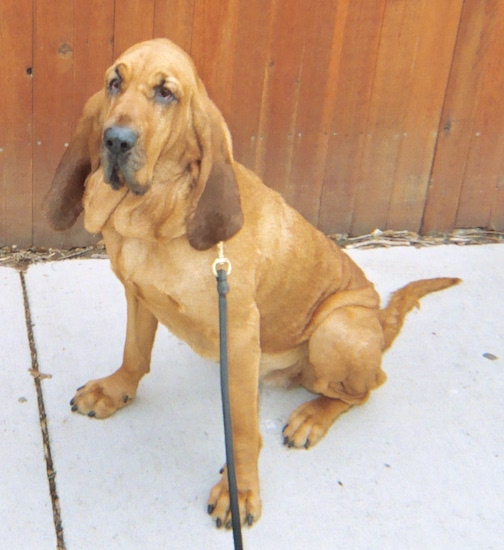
364	113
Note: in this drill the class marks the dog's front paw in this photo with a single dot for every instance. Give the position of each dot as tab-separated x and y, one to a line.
248	498
103	397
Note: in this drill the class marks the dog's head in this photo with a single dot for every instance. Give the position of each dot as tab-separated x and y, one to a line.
153	122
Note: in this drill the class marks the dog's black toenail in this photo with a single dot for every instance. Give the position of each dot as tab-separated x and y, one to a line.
221	471
218	523
91	414
126	398
74	408
291	444
285	427
210	508
249	519
307	444
72	401
81	387
285	440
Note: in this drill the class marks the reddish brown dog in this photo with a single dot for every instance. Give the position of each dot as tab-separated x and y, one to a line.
151	163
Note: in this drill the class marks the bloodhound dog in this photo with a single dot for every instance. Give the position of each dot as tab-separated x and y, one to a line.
151	164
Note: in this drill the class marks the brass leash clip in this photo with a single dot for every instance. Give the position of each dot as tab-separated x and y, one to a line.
221	260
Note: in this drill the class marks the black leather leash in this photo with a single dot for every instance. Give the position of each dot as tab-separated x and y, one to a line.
223	289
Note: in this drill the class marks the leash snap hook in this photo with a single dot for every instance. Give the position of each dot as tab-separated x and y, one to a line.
221	260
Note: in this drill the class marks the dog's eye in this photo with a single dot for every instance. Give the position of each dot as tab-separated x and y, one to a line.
114	85
163	95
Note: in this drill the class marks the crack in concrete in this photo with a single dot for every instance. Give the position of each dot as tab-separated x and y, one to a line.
51	473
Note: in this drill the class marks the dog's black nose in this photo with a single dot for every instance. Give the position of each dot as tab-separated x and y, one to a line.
119	139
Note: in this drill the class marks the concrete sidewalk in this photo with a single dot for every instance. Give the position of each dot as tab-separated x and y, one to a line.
421	465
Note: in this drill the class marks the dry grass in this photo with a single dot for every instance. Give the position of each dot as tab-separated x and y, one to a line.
22	258
387	239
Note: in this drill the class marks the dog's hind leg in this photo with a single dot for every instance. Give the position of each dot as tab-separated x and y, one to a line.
344	366
101	398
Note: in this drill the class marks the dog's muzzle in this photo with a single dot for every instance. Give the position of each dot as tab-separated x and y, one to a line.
119	143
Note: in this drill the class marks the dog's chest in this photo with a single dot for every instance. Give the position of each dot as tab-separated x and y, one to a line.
175	289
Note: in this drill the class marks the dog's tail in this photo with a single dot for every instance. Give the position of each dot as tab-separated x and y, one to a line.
404	300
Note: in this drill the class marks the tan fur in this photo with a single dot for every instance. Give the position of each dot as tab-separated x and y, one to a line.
300	310
404	300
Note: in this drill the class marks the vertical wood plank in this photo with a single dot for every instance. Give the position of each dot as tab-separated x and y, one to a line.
173	19
496	221
251	55
134	22
484	163
15	123
386	123
230	49
79	60
437	32
457	120
213	48
281	93
93	51
351	108
53	110
322	54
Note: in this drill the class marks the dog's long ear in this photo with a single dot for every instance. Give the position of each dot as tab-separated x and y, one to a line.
63	202
218	214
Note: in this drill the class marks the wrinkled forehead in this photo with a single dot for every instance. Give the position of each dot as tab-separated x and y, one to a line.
155	60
